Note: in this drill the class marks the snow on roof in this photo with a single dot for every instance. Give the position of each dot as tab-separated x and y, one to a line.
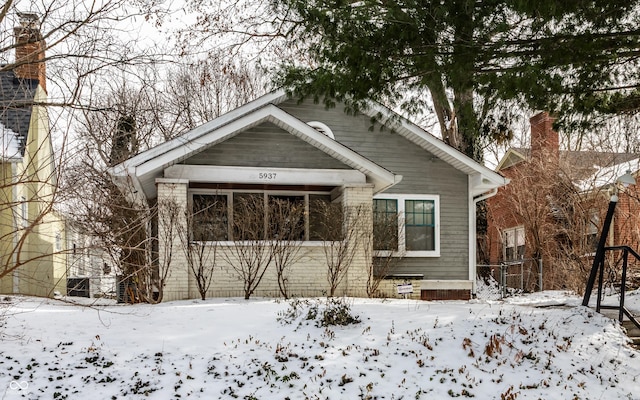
9	145
605	176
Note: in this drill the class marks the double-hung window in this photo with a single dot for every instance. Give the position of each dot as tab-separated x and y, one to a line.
513	243
407	224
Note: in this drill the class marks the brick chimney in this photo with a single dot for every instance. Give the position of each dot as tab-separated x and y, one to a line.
545	142
30	47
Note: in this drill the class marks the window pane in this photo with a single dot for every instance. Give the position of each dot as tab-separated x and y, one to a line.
520	237
325	218
385	224
419	225
248	216
420	238
509	254
520	252
514	244
509	239
286	217
210	217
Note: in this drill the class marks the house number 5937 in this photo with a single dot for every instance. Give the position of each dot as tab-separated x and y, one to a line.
267	175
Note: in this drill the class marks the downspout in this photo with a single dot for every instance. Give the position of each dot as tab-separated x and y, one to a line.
16	221
472	234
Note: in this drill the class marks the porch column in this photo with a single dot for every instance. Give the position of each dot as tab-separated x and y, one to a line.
357	201
172	204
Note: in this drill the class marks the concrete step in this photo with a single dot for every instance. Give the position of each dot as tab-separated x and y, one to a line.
633	332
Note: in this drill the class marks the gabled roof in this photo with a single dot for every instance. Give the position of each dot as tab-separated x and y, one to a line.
16	102
512	157
146	166
483	179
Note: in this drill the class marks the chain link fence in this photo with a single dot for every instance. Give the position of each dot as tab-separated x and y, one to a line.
509	278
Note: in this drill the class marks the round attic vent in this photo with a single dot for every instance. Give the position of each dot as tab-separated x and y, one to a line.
322	128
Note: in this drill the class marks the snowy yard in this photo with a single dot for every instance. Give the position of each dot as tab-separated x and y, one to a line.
270	349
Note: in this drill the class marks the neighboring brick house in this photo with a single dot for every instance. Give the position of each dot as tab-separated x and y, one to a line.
279	149
555	203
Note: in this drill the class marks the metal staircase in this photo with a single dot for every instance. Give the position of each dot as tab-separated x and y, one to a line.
598	270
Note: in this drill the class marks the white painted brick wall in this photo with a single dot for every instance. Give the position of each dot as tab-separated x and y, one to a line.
307	277
177	283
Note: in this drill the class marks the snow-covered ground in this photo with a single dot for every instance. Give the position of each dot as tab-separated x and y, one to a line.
274	349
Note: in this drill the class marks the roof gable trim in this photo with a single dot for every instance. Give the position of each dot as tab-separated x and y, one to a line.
156	160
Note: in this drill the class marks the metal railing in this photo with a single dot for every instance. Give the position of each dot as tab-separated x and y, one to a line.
622	310
513	277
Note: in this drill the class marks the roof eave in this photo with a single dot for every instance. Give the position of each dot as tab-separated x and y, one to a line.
154	161
436	146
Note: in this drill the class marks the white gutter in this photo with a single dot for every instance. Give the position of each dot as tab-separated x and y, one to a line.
485	195
14	256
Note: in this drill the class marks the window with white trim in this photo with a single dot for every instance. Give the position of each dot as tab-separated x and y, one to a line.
416	221
254	215
513	243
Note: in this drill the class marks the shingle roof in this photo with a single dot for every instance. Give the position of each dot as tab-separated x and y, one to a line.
145	167
16	101
584	164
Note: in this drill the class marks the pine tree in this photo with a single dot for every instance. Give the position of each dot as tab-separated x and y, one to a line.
471	57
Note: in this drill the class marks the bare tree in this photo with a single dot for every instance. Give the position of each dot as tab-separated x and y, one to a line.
50	54
557	217
200	90
286	227
199	237
156	108
169	214
201	260
381	249
110	213
71	44
250	255
338	229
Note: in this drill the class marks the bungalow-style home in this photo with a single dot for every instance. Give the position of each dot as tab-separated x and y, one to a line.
553	208
279	147
31	233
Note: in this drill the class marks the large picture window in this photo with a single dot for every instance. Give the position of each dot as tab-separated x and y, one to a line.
278	215
407	224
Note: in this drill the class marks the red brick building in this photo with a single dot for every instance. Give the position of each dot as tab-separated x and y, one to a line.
554	207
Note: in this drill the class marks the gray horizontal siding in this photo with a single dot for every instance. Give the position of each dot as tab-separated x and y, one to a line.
265	145
422	173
